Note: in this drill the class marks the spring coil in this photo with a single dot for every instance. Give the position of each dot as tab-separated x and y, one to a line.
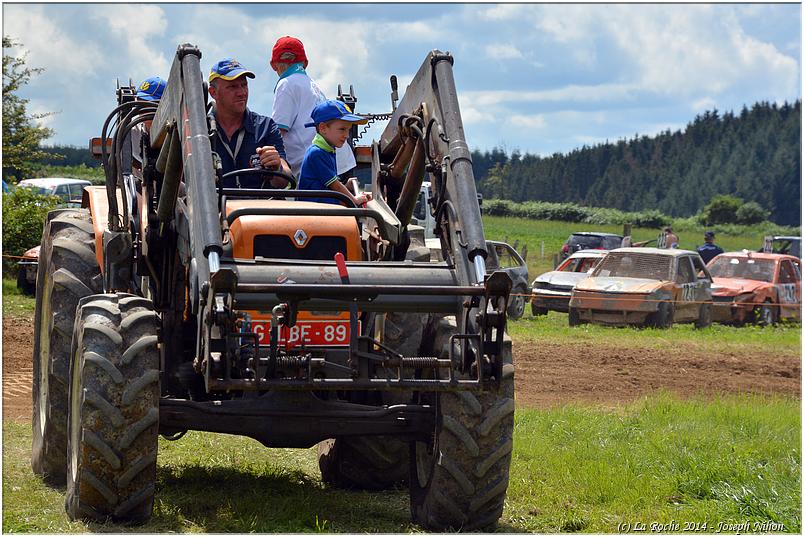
290	362
418	362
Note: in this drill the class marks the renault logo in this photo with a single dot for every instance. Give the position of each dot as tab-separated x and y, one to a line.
300	237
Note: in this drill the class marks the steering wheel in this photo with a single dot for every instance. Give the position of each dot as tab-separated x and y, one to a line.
262	171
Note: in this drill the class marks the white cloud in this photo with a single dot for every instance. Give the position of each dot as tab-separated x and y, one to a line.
594	93
705	103
49	45
137	26
502	12
534	121
503	52
473	115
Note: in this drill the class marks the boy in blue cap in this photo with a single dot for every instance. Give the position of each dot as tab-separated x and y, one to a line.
332	121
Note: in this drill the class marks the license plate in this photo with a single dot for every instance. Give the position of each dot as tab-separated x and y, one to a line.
307	333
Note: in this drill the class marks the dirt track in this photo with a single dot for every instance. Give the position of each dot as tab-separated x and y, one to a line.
546	374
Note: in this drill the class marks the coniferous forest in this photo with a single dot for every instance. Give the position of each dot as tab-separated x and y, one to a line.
754	155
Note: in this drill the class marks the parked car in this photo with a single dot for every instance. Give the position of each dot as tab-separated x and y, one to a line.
755	287
645	286
502	256
779	244
590	240
552	290
70	190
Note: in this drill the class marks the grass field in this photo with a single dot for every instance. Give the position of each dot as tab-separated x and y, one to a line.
784	338
574	469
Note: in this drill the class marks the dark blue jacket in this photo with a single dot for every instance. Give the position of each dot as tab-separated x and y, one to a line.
708	251
258	131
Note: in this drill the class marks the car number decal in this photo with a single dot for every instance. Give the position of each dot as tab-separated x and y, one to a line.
688	292
787	293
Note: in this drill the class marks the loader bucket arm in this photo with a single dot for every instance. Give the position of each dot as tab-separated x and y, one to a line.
182	110
432	97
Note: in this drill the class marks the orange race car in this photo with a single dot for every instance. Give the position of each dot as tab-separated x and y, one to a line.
751	287
647	286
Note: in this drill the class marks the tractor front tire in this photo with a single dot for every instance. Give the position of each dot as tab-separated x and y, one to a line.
68	271
114	410
459	480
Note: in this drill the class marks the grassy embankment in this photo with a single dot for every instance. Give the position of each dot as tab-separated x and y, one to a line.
660	460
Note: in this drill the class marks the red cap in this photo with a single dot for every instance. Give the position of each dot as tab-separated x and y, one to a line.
288	44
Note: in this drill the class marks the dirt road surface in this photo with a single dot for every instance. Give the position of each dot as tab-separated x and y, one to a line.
546	374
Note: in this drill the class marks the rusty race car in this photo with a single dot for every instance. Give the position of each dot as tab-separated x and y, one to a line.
552	290
750	287
645	286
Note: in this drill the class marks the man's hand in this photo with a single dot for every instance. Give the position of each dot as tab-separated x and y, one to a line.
362	199
269	157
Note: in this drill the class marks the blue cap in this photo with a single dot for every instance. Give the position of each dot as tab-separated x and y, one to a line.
151	89
329	110
228	69
709	235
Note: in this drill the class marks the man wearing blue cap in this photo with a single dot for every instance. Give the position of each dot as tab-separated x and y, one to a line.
709	250
245	139
332	121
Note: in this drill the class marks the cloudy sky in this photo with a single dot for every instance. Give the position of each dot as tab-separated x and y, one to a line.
534	78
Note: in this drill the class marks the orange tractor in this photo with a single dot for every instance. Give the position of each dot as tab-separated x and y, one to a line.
168	303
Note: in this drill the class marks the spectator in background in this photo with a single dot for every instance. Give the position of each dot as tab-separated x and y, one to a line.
709	250
671	239
295	96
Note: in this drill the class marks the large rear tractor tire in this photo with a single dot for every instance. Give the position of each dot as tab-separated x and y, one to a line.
459	480
364	462
68	271
114	410
378	462
375	462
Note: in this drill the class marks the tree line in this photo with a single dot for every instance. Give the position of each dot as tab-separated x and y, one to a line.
754	155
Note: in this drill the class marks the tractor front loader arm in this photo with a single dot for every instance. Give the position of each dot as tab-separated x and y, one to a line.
425	133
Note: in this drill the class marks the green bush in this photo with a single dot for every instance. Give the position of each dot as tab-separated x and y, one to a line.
24	213
751	213
721	210
570	212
